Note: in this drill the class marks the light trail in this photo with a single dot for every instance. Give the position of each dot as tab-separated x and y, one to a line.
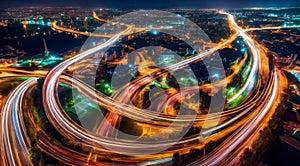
98	18
246	130
53	110
255	57
18	133
271	28
54	26
60	122
84	87
243	133
14	148
64	124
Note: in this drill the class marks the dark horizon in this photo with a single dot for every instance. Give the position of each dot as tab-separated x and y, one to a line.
154	4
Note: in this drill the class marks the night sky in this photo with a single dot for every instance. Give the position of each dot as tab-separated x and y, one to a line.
144	4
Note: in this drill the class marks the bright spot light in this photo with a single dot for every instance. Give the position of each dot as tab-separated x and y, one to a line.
106	85
243	49
155	32
231	90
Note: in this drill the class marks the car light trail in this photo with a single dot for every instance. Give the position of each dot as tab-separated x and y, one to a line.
243	121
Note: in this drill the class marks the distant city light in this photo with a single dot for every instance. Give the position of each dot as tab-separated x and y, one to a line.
155	32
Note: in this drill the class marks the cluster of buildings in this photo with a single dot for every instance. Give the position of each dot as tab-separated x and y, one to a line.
292	128
268	17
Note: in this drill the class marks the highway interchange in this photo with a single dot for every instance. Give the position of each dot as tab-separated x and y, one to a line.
243	121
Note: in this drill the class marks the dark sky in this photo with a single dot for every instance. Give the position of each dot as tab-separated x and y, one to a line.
126	4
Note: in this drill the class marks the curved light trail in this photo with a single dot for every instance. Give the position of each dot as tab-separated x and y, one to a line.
14	148
243	121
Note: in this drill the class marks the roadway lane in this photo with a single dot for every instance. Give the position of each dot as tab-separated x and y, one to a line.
248	132
14	147
63	124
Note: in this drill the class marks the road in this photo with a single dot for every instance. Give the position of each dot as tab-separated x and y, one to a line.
57	116
234	146
244	120
14	144
62	123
